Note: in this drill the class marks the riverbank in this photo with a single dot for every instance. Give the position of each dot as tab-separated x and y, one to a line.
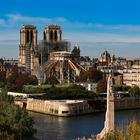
78	107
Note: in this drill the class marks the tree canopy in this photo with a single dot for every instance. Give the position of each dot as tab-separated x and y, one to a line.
101	86
71	92
15	124
134	91
93	75
18	78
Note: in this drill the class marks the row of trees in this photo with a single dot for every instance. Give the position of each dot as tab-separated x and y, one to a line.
15	124
71	92
16	79
121	87
132	91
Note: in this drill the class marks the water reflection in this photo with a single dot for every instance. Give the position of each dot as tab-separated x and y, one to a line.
67	128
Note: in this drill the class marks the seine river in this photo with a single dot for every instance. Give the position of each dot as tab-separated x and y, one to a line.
67	128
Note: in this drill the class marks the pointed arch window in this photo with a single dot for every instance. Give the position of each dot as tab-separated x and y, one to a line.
55	35
27	36
51	35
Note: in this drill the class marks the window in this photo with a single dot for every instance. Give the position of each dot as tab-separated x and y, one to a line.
51	35
27	36
55	35
65	112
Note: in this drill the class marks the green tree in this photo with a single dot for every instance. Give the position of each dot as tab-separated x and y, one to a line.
121	88
134	91
32	79
15	124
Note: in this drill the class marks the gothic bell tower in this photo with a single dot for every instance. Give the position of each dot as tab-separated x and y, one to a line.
28	49
52	33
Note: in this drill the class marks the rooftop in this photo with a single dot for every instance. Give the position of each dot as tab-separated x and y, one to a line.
53	26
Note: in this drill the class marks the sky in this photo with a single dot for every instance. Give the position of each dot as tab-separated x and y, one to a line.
96	25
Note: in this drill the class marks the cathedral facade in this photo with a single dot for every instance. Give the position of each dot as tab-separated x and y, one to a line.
35	57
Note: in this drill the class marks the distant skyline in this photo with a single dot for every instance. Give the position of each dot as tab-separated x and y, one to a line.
96	25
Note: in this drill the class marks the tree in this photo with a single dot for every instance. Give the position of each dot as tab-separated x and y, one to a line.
134	91
3	76
71	92
18	78
15	124
93	75
133	131
51	80
32	79
121	87
101	86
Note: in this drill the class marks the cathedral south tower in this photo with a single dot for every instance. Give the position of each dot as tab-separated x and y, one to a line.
28	49
52	33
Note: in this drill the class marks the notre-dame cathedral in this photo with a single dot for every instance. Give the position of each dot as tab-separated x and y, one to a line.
34	57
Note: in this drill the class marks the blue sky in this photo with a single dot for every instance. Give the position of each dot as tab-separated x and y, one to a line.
96	25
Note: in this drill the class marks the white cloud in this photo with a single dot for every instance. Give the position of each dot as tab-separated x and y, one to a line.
86	34
123	27
20	18
100	37
14	20
72	30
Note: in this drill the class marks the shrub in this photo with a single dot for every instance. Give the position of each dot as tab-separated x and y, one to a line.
69	93
132	133
121	88
134	91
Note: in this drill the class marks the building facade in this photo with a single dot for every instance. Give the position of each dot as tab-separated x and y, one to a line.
131	75
37	58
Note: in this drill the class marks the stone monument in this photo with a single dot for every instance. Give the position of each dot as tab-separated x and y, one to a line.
109	116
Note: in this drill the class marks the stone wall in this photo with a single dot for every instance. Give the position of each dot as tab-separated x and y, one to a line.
127	103
77	107
59	108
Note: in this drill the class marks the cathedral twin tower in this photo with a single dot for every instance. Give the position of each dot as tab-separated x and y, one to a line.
29	48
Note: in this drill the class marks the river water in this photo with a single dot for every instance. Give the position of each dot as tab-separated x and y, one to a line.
67	128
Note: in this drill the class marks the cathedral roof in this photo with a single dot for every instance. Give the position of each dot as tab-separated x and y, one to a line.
28	26
53	26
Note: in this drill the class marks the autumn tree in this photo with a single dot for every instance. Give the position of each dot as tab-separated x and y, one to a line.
93	75
132	132
101	86
18	78
3	76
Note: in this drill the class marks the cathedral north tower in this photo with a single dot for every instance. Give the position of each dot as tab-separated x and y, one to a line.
27	48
